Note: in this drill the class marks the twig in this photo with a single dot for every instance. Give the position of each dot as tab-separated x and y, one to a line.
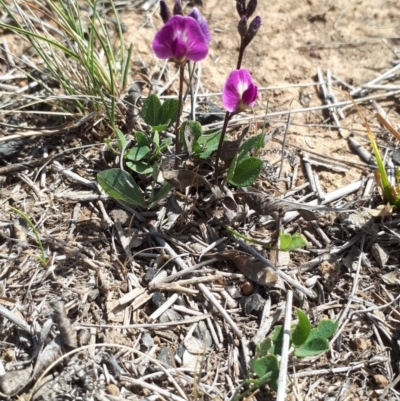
179	261
385	75
309	172
318	372
282	379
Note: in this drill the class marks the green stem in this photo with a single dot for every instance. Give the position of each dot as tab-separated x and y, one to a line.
178	146
221	141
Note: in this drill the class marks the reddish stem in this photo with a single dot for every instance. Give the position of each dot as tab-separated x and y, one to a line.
221	141
178	146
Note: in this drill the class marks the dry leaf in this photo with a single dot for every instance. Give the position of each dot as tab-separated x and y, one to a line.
195	346
253	269
184	178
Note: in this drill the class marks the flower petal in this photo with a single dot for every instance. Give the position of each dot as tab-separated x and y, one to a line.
239	91
196	14
180	39
230	93
249	96
162	42
195	40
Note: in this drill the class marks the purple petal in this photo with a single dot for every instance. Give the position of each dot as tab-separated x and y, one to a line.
197	47
249	96
239	91
230	93
196	14
180	39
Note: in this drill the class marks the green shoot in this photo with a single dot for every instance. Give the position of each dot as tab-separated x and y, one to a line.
42	257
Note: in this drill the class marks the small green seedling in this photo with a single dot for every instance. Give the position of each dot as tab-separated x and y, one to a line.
306	341
391	193
287	242
42	257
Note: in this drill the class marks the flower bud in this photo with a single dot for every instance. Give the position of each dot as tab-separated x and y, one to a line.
251	7
178	8
164	11
241	7
252	31
242	26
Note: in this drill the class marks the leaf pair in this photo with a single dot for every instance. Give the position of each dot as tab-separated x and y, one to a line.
159	116
121	186
245	169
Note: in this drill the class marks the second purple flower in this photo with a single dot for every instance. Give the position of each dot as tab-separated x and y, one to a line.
239	91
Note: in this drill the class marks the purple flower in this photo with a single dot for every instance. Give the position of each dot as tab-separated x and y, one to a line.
180	39
239	91
196	14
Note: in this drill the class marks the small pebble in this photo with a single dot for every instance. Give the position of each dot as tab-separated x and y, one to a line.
112	389
252	304
165	355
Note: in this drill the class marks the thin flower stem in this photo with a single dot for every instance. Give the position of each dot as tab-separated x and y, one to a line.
221	141
178	115
241	52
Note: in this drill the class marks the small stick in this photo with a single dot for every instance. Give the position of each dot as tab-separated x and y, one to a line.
309	172
329	100
320	193
179	261
282	379
74	220
297	189
43	171
367	156
207	293
387	74
212	331
312	239
318	372
331	94
320	232
166	305
284	142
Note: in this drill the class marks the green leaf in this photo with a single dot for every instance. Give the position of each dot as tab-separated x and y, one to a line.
206	144
121	186
325	329
138	153
257	142
159	128
315	346
302	329
263	347
247	172
189	136
142	139
164	144
277	338
232	168
290	242
262	366
151	111
160	194
156	138
285	241
140	167
120	138
168	111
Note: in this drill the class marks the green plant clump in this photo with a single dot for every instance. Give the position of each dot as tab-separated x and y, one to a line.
306	341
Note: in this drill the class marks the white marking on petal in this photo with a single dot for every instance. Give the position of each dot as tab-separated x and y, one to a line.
242	86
